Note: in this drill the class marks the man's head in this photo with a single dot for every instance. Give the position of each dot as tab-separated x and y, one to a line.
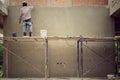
24	3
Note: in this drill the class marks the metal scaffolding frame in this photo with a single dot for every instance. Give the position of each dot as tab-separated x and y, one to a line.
79	41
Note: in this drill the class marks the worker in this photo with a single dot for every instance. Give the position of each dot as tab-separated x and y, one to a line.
25	16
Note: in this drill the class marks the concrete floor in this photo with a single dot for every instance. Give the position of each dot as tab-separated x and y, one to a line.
54	79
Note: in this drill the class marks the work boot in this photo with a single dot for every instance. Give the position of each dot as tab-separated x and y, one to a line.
30	34
24	33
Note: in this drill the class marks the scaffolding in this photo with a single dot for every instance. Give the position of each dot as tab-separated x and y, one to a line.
79	41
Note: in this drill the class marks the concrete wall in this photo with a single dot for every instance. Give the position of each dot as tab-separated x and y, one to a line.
61	21
114	7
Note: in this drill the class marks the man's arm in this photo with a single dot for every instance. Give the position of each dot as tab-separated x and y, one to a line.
20	18
31	6
19	21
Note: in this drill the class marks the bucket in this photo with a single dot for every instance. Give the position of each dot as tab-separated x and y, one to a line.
110	76
14	34
43	33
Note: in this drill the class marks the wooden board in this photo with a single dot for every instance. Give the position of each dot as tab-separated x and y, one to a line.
59	38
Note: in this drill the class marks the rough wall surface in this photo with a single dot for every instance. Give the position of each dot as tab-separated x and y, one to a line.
65	21
62	2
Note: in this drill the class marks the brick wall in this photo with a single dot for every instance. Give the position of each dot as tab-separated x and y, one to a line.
89	2
62	2
33	2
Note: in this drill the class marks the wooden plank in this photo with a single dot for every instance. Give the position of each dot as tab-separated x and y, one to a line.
60	38
81	58
6	58
24	38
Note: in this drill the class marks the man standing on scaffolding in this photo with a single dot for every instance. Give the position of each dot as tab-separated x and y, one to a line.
25	16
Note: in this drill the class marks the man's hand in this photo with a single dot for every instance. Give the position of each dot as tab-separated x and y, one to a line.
19	20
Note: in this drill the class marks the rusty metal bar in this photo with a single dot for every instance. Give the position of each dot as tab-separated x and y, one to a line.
78	65
46	58
81	58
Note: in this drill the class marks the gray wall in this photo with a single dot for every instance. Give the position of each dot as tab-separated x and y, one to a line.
62	21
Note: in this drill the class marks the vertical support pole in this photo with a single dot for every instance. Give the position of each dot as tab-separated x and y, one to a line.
6	58
81	58
78	65
46	58
116	56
